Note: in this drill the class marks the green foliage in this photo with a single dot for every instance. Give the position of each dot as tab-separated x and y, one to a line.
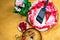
24	10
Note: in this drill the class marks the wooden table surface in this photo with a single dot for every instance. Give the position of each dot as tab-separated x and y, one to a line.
9	22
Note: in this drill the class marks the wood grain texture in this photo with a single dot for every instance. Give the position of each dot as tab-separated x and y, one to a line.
9	22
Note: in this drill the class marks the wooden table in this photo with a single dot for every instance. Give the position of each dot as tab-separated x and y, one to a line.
9	22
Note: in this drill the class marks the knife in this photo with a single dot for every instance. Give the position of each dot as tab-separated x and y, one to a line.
42	13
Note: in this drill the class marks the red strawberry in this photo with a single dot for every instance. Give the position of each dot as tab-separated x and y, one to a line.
23	26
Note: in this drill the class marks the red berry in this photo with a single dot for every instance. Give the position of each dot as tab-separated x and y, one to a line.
23	26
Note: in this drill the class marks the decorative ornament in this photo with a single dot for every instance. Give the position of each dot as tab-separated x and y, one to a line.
22	7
